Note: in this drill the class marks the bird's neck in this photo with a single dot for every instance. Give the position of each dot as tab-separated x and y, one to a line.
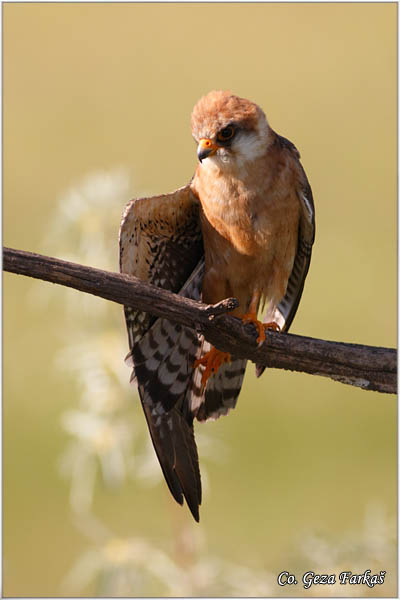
223	184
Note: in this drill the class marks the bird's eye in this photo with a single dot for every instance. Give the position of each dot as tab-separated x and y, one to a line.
226	133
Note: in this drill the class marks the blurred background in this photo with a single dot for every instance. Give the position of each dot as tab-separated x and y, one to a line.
302	475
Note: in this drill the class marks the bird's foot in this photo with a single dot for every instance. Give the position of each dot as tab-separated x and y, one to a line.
251	317
212	361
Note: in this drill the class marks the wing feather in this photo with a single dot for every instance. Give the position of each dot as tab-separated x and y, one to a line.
287	307
161	243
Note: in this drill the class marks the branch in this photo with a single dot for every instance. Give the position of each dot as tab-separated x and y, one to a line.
367	367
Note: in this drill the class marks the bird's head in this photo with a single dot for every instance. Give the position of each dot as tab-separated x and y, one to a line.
230	131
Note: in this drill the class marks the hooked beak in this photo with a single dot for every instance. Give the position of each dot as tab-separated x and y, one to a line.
206	148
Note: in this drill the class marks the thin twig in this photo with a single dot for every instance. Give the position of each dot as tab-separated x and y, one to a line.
367	367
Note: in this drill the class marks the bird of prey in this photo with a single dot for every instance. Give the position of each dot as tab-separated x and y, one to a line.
244	228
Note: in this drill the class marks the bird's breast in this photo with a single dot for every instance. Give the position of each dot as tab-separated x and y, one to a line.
248	217
250	231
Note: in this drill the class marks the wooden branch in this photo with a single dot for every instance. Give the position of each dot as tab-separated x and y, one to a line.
367	367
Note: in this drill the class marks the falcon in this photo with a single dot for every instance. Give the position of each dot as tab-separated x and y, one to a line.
244	228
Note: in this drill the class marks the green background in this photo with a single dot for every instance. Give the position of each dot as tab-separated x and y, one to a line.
95	87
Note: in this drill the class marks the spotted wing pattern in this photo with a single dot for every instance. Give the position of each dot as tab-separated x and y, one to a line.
161	243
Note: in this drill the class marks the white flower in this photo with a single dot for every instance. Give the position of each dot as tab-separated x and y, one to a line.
99	443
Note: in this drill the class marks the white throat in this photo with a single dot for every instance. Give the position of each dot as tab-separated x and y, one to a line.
247	148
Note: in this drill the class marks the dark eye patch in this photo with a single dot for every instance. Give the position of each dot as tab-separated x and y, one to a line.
226	134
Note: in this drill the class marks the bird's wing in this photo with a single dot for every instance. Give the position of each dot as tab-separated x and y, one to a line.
287	307
161	243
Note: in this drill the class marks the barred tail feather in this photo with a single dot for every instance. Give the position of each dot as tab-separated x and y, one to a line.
171	394
222	389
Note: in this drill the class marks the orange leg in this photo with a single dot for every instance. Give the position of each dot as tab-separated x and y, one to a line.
251	317
212	360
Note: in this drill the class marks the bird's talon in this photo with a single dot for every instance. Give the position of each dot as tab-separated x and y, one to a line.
212	361
251	317
272	325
